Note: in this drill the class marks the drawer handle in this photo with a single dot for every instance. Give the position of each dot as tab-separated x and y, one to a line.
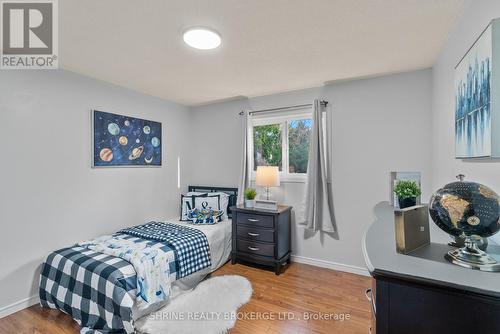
253	248
252	220
253	234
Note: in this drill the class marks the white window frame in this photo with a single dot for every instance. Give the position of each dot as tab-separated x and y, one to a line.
283	119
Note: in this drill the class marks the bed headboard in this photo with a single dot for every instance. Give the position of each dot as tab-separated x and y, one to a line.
232	192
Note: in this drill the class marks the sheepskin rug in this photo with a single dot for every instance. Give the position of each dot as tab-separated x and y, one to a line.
211	308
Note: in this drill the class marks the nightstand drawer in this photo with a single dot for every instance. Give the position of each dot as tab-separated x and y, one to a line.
256	234
255	220
257	248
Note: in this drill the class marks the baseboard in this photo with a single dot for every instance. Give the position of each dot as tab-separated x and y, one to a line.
18	306
331	265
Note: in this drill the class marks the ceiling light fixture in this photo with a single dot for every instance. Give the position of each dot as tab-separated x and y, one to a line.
202	38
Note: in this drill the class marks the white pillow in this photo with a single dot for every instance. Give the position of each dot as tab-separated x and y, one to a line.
194	200
207	202
187	204
224	200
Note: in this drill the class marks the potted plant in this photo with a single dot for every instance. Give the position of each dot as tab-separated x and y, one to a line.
407	192
250	194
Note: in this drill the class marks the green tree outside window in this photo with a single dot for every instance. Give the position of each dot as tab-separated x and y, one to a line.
267	145
299	135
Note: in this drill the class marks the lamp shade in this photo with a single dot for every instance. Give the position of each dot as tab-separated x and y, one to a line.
267	176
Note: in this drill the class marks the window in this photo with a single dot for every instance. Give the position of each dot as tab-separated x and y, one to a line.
267	145
281	141
299	135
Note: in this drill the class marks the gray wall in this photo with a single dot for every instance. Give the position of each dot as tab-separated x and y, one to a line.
379	125
49	196
477	15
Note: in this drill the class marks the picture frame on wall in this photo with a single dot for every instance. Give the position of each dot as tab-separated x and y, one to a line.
473	100
125	141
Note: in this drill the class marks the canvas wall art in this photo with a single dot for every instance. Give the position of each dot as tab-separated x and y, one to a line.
473	116
125	141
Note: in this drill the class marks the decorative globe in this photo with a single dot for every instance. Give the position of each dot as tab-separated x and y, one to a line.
466	209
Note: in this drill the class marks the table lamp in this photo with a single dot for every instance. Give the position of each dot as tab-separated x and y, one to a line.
267	176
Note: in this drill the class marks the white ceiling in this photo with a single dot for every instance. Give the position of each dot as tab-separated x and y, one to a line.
268	46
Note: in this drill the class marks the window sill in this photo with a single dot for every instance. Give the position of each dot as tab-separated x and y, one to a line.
298	179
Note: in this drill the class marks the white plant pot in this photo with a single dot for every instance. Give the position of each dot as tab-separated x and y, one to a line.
249	203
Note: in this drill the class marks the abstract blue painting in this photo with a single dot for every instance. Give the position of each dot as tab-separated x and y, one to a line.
472	100
125	141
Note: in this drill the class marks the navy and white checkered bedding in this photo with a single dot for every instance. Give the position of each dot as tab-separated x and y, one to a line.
192	250
95	289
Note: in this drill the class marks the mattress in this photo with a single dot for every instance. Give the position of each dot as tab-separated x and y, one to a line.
99	291
219	239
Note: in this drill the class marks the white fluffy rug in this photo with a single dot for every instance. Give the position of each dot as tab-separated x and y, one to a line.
209	309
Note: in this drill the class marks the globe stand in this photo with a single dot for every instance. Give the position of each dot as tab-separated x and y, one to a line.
472	257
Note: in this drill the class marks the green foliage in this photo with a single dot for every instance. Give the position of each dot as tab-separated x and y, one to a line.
250	193
299	136
267	145
407	189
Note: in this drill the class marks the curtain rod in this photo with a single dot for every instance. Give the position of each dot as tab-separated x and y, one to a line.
323	103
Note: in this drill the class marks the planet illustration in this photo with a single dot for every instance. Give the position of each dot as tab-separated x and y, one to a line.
127	122
113	128
136	153
146	129
155	142
137	140
148	161
123	140
106	154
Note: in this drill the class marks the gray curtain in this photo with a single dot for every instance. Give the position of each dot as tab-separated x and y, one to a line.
319	214
244	181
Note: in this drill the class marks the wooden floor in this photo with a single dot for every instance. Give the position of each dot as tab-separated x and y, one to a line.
299	292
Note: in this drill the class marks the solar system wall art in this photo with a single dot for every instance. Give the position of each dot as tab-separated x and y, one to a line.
123	141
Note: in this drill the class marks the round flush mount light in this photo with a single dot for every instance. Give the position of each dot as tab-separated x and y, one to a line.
202	38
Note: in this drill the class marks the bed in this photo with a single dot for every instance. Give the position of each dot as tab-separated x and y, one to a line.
100	291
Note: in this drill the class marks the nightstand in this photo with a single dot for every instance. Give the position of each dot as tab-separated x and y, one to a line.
262	237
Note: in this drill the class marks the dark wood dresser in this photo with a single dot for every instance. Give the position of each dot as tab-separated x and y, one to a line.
262	237
421	292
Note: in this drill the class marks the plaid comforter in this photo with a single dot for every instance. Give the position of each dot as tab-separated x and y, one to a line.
95	289
191	245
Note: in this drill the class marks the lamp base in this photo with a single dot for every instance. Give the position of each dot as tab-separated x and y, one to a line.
266	205
472	257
